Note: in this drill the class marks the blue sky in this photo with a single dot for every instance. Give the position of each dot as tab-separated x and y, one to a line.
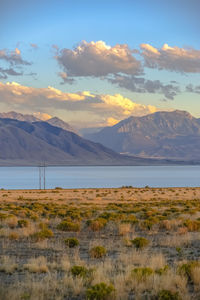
65	24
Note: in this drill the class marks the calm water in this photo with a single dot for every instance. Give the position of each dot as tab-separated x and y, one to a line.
85	177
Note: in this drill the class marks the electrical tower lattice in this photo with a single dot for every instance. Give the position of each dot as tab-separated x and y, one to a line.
42	177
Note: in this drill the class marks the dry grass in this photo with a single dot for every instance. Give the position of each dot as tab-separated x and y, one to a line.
41	269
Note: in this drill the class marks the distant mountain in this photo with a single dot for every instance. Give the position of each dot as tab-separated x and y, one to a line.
173	135
31	118
28	143
60	123
18	116
89	130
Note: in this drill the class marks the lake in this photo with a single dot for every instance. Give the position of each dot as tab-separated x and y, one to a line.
92	177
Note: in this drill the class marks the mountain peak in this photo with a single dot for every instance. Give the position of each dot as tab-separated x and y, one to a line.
166	134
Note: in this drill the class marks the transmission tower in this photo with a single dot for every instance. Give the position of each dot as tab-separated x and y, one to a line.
42	176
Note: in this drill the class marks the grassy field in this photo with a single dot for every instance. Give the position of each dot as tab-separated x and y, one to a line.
125	243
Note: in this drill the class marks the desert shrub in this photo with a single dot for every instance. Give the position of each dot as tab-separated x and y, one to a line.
71	242
140	242
141	273
130	219
13	236
81	271
23	223
167	295
100	291
96	224
109	216
192	225
162	271
42	226
148	223
186	268
3	216
98	252
68	226
42	235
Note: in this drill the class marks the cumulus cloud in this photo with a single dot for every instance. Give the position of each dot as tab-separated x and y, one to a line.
13	57
171	58
50	99
142	85
97	59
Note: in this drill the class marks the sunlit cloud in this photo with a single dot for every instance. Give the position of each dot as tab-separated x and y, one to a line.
97	59
13	57
42	116
110	108
171	58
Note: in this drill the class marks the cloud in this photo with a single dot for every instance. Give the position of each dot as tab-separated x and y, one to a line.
98	59
13	57
65	78
142	85
42	116
190	88
171	58
112	121
50	100
10	71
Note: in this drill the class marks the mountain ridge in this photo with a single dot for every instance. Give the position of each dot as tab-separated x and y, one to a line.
171	135
36	142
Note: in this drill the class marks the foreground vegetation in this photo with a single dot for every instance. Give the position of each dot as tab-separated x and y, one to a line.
124	243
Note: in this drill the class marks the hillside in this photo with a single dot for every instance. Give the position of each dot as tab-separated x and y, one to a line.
173	135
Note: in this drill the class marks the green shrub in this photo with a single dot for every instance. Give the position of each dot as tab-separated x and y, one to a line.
141	273
130	220
100	291
71	242
167	295
162	271
42	235
96	224
186	269
79	271
192	225
140	242
23	223
68	226
98	252
148	223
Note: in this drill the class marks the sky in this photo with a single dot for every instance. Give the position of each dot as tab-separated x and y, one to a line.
94	63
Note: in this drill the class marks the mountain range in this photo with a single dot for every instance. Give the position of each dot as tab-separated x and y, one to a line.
32	143
172	135
159	138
